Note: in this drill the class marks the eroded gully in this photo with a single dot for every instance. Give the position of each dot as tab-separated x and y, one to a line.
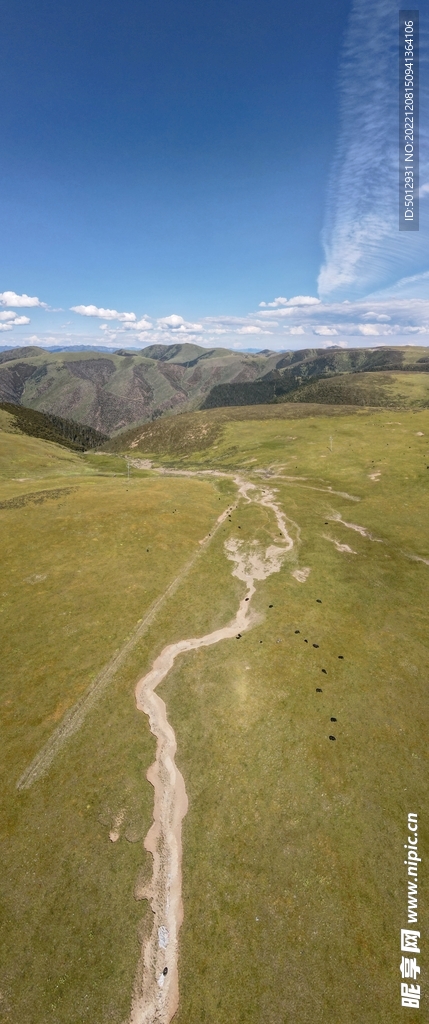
156	991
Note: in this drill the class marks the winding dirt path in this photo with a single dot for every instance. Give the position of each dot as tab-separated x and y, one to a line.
156	994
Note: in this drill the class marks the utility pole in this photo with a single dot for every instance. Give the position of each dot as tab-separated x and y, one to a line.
330	444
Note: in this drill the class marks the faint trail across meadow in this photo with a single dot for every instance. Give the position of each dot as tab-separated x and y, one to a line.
75	717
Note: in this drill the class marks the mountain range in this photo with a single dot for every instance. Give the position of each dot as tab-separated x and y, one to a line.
113	391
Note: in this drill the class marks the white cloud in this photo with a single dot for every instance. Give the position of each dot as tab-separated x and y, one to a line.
177	324
104	314
5	327
140	325
251	330
173	321
345	317
109	330
386	318
297	300
12	299
304	300
379	317
290	311
13	319
280	301
187	329
338	344
368	329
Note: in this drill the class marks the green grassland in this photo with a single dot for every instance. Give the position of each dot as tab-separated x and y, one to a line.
293	878
294	883
81	565
389	389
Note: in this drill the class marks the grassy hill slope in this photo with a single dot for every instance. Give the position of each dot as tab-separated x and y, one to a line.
390	389
180	437
299	368
85	554
73	435
112	391
286	832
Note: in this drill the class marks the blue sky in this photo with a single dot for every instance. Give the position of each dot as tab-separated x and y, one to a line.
173	170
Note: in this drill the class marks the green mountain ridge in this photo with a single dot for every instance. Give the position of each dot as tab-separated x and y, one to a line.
295	371
111	392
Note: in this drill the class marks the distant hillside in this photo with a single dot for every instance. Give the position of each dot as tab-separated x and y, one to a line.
112	391
72	435
291	378
406	390
190	432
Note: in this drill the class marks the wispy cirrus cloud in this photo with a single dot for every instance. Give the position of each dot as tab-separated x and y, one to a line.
363	246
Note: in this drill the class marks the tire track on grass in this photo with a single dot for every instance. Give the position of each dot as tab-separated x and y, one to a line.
75	717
